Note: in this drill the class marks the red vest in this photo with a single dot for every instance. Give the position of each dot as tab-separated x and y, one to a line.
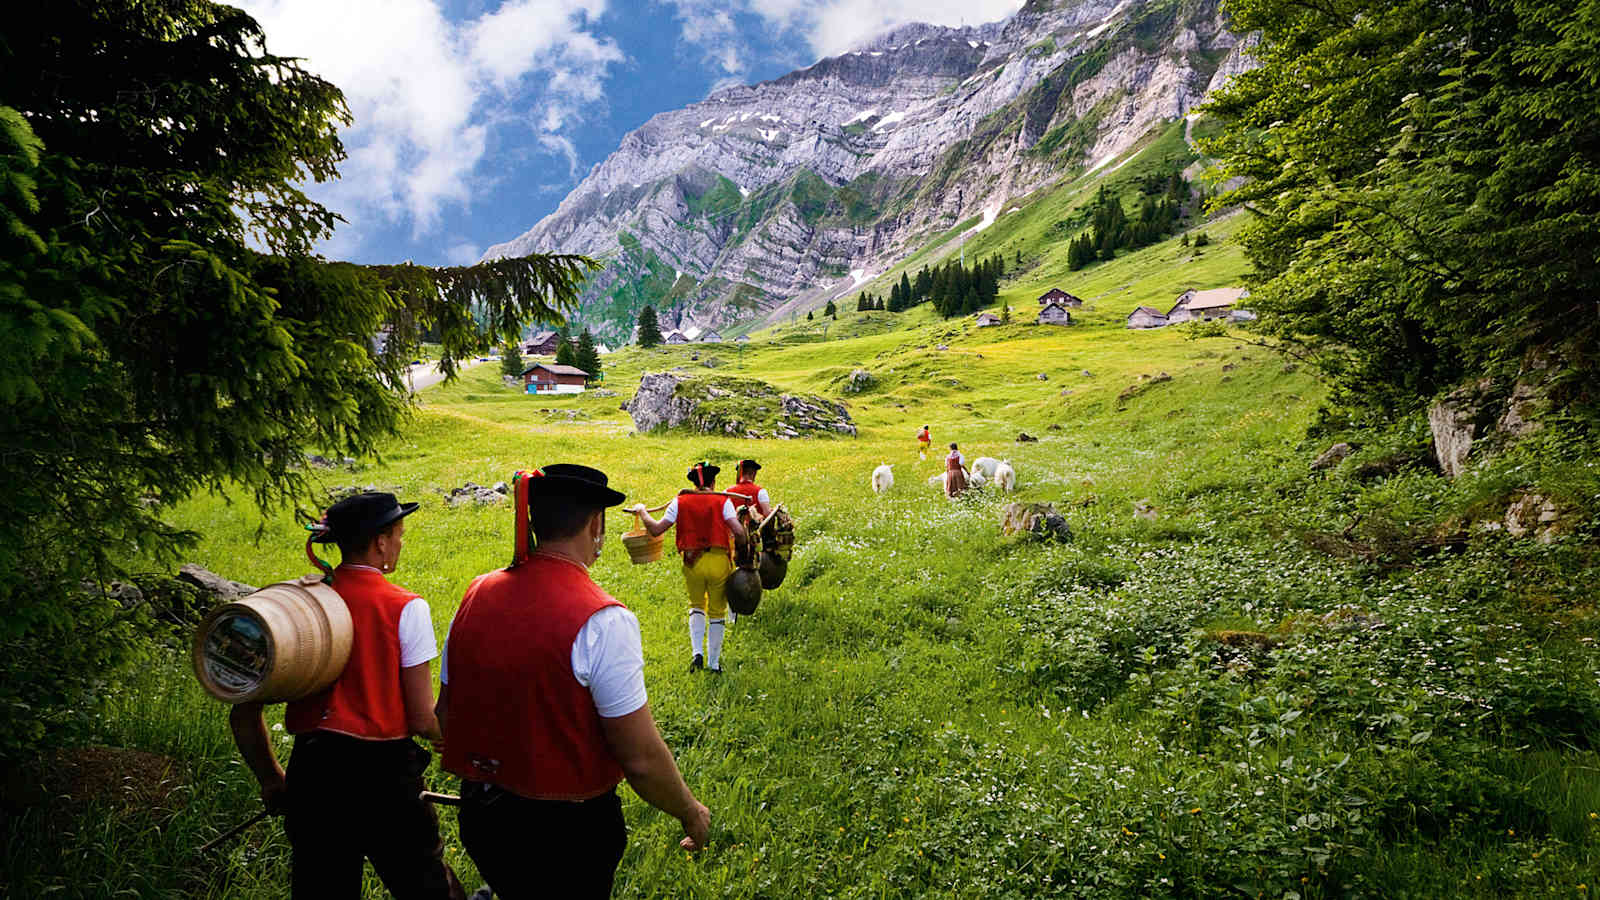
699	522
367	701
748	489
517	717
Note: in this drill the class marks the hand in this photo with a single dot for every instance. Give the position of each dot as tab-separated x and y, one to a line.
275	797
637	508
696	828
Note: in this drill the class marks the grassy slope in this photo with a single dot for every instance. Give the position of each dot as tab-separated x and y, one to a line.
928	708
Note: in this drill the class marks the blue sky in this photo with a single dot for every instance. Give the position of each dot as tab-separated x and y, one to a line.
474	118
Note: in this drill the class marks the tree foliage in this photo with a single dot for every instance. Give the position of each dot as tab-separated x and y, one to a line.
511	359
649	328
587	357
165	325
1424	179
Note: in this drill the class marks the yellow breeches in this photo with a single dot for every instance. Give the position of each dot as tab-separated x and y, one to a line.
707	580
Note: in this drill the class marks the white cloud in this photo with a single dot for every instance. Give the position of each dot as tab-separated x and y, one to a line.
463	253
829	27
426	92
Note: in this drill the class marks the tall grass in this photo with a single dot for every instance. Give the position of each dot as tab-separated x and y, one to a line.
928	708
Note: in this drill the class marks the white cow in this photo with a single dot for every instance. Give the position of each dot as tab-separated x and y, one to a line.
976	481
883	478
986	464
1005	477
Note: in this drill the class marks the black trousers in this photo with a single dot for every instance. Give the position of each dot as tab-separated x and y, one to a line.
350	800
542	848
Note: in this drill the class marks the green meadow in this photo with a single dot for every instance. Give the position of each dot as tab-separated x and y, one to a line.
1202	704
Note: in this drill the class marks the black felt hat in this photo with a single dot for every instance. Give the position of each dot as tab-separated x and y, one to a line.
574	482
362	516
710	471
750	464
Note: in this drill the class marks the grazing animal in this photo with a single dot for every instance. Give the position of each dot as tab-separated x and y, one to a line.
1005	477
977	481
985	464
882	478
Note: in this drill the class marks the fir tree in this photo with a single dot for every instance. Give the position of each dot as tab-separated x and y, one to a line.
830	310
511	359
649	328
588	357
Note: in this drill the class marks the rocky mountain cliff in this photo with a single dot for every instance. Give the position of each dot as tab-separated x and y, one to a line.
719	212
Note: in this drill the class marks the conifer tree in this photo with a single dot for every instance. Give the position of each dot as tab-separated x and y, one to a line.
649	328
830	310
588	358
511	358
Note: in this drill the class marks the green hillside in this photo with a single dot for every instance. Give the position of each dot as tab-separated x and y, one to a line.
1206	702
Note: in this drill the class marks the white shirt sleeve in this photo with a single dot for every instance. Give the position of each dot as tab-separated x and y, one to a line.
608	659
671	515
763	499
417	644
728	515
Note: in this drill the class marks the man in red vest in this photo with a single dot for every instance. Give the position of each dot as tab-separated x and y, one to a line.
707	525
355	774
746	486
545	711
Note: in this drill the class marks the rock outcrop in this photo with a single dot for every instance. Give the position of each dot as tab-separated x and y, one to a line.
1041	520
743	407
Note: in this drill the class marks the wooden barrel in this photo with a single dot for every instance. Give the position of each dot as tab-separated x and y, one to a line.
642	547
286	641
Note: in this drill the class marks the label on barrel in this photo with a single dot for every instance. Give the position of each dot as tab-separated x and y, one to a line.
236	653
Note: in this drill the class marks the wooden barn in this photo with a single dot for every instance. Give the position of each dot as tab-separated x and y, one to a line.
1217	303
1054	314
543	343
1146	317
675	337
1060	298
986	320
710	337
553	378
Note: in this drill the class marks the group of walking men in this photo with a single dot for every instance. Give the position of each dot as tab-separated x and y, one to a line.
542	708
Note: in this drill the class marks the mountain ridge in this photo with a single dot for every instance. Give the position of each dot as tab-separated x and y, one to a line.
723	210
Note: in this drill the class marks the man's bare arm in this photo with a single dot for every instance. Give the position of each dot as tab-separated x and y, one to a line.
653	773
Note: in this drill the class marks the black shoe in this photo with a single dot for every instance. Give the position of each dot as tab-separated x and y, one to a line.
716	671
698	663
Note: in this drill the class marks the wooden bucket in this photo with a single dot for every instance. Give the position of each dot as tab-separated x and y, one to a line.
286	641
642	546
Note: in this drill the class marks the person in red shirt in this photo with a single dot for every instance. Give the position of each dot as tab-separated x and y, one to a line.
746	487
544	708
707	525
354	776
924	441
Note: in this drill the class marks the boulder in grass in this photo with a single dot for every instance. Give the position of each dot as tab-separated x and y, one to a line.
1041	520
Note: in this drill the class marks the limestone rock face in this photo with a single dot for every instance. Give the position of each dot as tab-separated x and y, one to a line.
770	197
743	407
1458	420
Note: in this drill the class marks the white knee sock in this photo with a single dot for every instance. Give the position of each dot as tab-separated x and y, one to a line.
714	644
697	631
